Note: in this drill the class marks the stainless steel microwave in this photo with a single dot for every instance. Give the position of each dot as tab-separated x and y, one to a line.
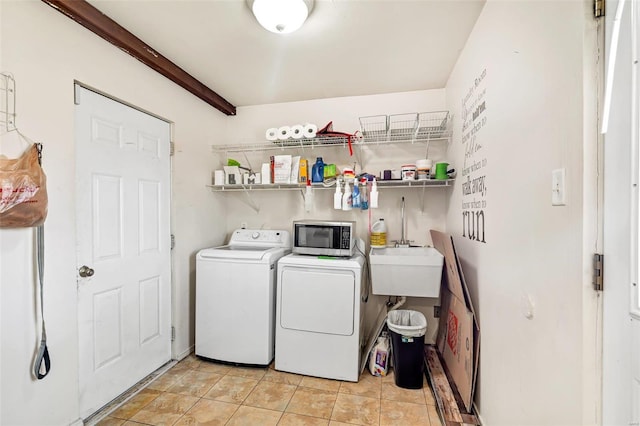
324	238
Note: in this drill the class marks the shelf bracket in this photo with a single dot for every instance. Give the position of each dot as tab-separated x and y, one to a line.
250	200
422	197
357	152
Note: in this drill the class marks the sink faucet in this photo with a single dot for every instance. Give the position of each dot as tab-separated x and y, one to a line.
403	242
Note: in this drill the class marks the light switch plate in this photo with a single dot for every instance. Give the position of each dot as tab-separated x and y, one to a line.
558	190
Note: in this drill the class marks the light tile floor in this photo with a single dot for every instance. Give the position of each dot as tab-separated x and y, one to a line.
197	392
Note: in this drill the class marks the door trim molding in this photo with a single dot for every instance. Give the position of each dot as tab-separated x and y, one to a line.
113	98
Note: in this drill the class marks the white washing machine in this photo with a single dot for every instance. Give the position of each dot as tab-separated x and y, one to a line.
319	324
235	297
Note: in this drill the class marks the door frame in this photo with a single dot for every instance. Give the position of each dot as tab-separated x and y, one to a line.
618	226
172	310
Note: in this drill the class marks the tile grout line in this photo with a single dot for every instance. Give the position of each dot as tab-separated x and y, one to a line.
196	368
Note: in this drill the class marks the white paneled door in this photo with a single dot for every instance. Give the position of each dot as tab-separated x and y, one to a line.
123	243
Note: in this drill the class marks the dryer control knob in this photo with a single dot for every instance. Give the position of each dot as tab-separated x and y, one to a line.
255	235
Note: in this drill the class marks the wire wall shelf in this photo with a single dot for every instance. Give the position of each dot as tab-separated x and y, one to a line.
317	142
430	183
374	130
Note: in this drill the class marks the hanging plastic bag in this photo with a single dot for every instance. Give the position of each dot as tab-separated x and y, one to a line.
23	190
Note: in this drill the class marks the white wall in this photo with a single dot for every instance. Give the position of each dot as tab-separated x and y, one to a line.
279	208
527	278
46	52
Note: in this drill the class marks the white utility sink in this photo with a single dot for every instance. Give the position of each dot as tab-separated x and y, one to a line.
406	271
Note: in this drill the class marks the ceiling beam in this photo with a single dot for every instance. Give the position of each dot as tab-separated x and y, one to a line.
91	18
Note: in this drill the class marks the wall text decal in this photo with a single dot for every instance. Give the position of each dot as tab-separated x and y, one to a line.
474	185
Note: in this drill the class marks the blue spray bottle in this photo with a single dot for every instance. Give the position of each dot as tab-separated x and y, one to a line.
356	202
364	197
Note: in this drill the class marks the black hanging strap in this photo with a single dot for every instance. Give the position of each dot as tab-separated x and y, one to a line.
43	351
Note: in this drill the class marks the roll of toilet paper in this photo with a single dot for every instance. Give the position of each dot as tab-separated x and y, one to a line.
218	177
310	130
272	134
297	131
284	133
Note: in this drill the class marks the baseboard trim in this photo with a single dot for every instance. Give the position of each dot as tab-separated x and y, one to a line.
185	353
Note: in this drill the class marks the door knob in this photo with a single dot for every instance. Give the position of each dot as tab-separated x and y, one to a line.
85	271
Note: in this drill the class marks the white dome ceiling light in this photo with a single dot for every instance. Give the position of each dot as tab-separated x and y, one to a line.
281	16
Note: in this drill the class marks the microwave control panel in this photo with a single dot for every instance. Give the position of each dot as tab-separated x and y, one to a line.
345	239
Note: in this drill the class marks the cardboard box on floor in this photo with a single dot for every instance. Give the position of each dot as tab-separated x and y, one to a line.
458	339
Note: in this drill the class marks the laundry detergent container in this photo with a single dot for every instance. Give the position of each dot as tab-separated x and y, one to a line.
407	329
406	271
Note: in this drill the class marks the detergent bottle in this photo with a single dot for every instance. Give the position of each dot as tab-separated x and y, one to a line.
379	360
379	234
317	171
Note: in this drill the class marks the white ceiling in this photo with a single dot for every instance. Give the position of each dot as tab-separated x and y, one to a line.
346	47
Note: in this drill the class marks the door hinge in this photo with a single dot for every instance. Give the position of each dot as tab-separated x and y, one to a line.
173	241
598	8
436	311
172	149
598	271
173	333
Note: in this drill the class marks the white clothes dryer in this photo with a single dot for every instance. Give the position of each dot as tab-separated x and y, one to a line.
235	297
319	316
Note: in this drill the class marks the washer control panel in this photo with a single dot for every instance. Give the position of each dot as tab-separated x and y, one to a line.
260	238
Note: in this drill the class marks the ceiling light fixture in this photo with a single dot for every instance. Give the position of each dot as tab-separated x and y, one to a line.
281	16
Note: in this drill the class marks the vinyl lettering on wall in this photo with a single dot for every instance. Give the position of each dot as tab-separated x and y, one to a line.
474	184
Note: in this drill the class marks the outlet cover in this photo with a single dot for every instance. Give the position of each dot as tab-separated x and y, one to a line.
558	190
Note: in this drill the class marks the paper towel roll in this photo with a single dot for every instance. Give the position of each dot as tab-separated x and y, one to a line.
310	130
272	134
297	131
284	133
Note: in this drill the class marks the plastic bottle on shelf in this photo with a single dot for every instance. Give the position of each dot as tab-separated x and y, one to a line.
373	195
364	198
379	234
317	171
355	197
337	197
347	200
308	198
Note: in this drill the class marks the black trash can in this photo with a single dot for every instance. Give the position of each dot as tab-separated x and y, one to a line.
407	329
